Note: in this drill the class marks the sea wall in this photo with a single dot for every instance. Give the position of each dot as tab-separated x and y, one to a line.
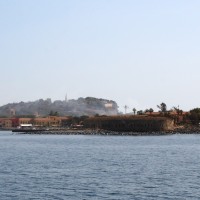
130	123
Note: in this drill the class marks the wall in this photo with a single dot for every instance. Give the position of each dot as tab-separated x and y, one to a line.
130	123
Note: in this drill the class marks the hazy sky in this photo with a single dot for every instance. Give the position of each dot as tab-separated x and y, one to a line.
137	52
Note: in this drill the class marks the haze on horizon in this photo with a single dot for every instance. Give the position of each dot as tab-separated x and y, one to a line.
137	53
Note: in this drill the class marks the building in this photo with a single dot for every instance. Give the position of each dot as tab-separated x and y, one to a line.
25	121
6	123
50	121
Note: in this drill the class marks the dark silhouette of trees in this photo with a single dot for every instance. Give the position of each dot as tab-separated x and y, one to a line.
150	110
140	112
178	111
134	110
52	113
162	107
194	116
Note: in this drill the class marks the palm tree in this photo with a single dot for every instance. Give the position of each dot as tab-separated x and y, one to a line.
134	110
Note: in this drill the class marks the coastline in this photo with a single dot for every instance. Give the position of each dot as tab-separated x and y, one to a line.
177	130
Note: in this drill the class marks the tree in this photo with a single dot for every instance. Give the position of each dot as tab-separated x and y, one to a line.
146	111
178	111
194	116
134	110
52	113
162	107
140	112
151	110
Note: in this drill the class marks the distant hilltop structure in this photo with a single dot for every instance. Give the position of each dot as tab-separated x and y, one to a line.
82	106
108	105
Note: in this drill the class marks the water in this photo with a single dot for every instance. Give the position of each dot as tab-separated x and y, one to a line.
99	167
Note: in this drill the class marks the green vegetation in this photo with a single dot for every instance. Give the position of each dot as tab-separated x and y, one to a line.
194	116
77	120
52	113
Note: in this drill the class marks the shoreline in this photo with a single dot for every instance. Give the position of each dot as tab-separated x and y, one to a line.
187	129
111	133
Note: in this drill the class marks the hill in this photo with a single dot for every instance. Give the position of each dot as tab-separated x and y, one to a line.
82	106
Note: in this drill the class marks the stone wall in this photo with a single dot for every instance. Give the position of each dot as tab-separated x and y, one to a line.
130	123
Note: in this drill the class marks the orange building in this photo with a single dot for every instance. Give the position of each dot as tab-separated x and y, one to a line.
5	123
50	121
25	121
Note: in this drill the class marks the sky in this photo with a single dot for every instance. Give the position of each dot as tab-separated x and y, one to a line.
138	53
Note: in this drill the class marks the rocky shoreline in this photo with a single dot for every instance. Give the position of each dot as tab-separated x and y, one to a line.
176	130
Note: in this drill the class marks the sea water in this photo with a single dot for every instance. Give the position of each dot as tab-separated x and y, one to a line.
99	167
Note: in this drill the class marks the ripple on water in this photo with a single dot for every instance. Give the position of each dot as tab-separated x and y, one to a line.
97	167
